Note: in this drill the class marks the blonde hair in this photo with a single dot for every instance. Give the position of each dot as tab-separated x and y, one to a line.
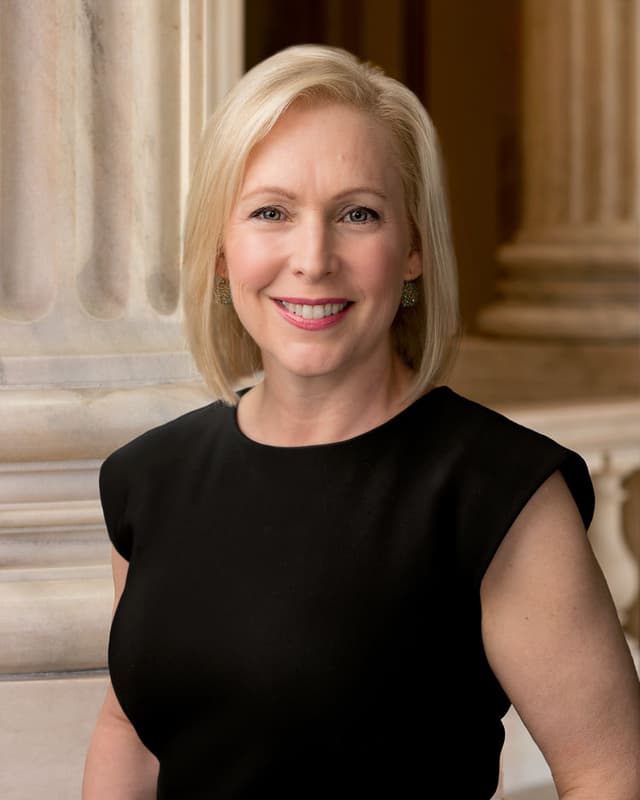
425	335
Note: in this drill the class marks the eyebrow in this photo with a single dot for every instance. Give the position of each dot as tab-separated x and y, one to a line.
280	192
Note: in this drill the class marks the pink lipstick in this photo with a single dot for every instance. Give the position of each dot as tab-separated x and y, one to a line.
312	315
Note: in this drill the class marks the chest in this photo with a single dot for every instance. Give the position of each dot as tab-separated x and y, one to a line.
305	595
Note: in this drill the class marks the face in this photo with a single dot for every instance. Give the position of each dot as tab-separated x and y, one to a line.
318	244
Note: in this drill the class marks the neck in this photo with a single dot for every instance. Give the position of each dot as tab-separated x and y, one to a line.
289	411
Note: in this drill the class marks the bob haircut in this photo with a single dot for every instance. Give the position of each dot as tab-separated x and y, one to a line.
426	335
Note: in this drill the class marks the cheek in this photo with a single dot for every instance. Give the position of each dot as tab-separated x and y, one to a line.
380	265
249	264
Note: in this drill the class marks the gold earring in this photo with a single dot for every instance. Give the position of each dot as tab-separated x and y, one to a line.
222	291
409	296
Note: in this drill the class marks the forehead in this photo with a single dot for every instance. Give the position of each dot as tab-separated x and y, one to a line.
324	143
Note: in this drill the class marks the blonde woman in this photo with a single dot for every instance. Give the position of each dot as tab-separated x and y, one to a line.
333	584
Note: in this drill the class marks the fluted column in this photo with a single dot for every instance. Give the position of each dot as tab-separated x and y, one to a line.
102	105
572	271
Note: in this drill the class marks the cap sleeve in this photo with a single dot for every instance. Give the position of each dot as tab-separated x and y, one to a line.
112	485
505	465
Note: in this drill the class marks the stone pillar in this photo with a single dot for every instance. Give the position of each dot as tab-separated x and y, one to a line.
572	271
102	104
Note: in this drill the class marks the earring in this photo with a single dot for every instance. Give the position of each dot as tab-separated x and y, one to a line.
409	296
222	292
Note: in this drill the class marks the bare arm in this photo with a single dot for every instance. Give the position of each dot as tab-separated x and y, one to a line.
118	765
553	640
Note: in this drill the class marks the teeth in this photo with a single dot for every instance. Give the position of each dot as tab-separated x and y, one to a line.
314	312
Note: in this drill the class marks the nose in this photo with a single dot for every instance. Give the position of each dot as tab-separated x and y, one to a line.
313	257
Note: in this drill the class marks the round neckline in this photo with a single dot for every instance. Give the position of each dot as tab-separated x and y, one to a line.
383	427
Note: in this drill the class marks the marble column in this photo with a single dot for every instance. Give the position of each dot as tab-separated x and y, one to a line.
102	104
572	271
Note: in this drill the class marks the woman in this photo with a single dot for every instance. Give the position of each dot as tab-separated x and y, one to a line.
333	584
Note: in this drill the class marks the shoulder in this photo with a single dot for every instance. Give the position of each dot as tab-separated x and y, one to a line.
493	438
501	465
175	438
151	461
483	421
493	448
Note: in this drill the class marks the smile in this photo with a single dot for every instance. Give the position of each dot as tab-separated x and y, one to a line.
316	315
316	311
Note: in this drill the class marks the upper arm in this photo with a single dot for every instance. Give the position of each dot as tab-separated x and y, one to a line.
118	764
120	567
112	488
552	638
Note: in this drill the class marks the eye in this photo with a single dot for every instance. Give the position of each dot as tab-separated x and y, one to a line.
268	213
361	214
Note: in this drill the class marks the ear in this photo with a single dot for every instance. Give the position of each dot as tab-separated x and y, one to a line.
413	267
221	266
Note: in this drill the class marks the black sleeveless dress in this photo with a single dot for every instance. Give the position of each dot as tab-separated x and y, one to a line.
305	622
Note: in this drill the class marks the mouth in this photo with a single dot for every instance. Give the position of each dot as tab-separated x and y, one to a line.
315	309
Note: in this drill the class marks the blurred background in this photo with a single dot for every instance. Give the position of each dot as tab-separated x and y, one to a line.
102	103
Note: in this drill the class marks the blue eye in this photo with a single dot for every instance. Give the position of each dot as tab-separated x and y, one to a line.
360	215
268	213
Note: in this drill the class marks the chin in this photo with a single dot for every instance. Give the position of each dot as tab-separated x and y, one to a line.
310	370
310	367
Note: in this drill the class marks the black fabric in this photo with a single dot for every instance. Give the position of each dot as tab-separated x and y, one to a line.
305	622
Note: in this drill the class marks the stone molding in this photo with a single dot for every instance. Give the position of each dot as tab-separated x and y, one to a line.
55	580
70	424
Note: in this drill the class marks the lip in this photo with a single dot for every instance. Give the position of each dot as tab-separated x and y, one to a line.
302	301
311	324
